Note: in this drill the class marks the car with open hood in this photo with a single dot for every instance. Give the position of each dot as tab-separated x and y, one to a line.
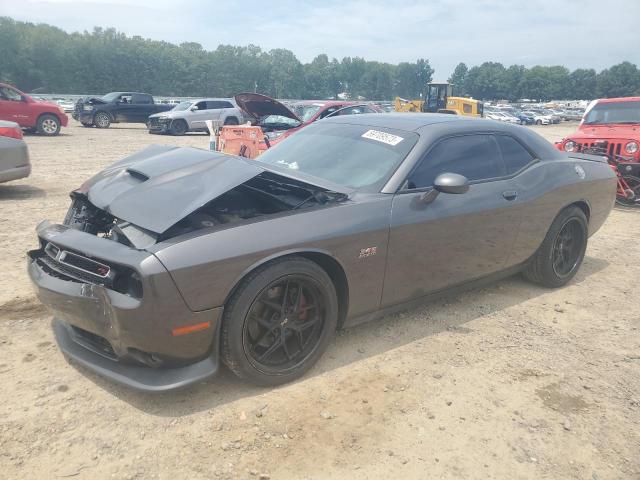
278	121
175	260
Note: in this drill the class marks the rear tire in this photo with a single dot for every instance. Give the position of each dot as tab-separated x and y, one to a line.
559	257
102	120
48	125
179	127
296	335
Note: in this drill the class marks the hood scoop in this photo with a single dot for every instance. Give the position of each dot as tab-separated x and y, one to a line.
157	187
137	174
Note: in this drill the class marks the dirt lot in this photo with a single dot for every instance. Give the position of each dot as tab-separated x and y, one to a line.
510	381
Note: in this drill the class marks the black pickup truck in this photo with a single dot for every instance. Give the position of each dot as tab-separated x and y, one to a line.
114	107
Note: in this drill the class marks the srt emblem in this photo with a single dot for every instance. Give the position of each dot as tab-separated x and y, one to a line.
368	252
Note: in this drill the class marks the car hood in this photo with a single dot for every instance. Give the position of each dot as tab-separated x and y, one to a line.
169	114
160	185
260	106
622	132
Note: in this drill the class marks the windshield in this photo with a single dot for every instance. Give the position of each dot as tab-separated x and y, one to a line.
306	112
613	112
354	156
279	120
110	97
182	106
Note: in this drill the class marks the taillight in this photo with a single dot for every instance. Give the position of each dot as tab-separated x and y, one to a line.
13	132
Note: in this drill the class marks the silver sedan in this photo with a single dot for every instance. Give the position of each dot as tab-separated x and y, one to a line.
14	154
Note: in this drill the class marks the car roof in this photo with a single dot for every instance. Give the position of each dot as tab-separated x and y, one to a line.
401	121
325	103
619	99
210	99
6	123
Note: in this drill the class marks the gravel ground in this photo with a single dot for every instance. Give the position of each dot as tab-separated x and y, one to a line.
509	381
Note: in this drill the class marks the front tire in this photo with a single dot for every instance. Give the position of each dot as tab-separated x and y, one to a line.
279	321
48	125
178	127
559	257
102	120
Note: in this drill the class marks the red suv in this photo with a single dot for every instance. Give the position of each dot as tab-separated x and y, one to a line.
610	123
16	106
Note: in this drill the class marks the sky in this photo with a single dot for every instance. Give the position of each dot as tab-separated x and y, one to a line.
574	33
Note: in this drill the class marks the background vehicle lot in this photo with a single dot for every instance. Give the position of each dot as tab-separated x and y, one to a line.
509	381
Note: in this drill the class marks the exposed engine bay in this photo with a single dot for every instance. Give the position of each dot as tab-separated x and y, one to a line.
263	195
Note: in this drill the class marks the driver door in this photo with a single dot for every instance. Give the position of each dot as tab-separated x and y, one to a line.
12	108
205	111
454	238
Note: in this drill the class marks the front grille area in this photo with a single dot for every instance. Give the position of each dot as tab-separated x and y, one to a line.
604	147
78	266
74	267
93	342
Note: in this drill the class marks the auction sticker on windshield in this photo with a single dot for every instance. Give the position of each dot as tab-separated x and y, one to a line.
383	137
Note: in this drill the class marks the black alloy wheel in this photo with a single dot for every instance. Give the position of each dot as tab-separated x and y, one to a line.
284	324
567	248
561	253
279	321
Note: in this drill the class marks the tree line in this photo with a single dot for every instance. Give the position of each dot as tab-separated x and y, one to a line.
43	58
494	81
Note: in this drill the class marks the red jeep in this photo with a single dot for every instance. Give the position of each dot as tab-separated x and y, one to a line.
45	117
611	127
614	122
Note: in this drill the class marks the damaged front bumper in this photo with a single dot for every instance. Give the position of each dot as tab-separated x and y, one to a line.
159	125
127	335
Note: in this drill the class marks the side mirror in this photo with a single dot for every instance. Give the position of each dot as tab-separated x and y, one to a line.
194	108
451	183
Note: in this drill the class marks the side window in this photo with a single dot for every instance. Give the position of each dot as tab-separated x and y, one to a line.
466	108
329	111
515	156
217	104
10	94
474	156
202	106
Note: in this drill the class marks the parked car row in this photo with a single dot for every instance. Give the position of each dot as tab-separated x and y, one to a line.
530	114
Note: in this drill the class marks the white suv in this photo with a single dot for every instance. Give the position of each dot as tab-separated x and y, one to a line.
191	116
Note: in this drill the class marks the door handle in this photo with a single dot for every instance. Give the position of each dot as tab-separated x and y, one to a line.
510	195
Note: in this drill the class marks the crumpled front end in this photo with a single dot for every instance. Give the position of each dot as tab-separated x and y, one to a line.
118	312
159	124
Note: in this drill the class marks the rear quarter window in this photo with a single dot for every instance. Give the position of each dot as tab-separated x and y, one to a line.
515	156
218	104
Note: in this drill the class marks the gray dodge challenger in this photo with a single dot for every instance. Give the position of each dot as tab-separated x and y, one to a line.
175	260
